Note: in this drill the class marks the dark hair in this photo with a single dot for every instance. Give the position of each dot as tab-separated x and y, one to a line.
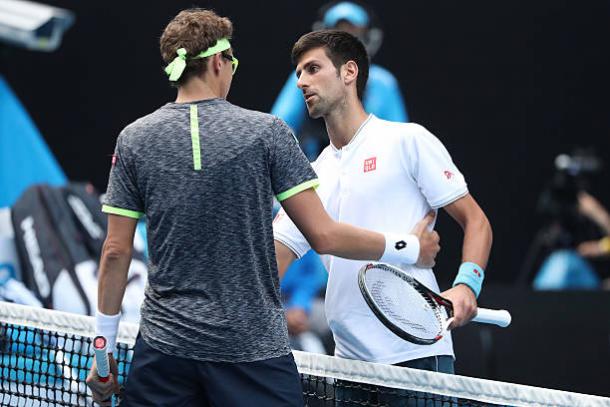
340	47
195	30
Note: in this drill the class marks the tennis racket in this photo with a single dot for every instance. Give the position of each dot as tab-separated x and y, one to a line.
411	310
100	345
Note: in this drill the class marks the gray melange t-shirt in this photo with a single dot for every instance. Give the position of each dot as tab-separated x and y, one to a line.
213	289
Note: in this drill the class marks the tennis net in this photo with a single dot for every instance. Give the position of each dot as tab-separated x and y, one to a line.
45	357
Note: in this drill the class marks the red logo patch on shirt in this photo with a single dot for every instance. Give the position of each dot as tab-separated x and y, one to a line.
370	164
448	174
114	159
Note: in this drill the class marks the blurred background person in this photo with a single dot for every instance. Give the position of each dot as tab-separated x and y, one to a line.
302	289
596	250
568	251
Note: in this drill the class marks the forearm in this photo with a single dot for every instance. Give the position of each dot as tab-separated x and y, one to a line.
477	230
475	249
475	254
469	280
477	241
590	207
327	236
351	242
112	279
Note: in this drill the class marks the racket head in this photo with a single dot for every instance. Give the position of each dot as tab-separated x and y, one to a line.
405	306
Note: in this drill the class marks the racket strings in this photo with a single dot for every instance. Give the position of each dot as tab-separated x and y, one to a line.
439	311
403	304
387	305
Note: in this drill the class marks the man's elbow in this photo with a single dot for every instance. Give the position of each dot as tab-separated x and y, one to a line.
322	242
116	251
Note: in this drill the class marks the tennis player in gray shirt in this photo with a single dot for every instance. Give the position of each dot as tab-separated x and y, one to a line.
203	171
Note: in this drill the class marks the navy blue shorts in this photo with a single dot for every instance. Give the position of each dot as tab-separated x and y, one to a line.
157	379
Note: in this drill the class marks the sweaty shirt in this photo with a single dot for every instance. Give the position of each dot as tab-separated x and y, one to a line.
204	174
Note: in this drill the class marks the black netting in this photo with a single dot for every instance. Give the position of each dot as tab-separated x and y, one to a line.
44	368
327	392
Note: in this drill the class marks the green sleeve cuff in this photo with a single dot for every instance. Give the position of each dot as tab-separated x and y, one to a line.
122	212
299	188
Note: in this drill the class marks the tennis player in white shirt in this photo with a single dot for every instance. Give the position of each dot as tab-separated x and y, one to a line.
380	175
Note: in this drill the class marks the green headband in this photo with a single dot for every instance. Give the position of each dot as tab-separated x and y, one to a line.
176	67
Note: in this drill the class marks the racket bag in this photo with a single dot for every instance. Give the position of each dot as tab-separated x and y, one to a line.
55	263
84	200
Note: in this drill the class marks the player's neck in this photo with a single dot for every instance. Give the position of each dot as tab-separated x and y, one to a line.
343	123
198	89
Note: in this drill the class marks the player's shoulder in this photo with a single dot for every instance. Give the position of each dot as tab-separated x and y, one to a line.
262	119
249	113
325	155
256	124
141	127
399	129
381	75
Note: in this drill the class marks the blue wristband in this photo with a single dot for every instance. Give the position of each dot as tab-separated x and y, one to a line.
472	275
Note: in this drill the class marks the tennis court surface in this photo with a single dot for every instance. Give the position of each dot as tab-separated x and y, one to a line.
45	355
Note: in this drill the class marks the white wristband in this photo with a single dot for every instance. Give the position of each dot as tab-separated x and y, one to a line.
108	327
400	249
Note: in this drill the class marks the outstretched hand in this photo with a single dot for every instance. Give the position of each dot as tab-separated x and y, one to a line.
428	241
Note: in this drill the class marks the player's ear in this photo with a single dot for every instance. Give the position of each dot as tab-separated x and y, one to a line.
215	63
350	72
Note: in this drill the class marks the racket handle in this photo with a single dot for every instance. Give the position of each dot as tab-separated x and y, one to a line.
101	358
102	363
499	317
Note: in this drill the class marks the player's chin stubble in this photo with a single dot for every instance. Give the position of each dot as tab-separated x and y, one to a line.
316	110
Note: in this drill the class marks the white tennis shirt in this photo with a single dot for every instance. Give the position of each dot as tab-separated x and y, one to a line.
386	179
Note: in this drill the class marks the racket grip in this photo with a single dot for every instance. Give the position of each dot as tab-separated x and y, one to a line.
499	317
101	357
100	349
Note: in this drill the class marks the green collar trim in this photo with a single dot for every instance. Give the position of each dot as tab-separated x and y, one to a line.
175	69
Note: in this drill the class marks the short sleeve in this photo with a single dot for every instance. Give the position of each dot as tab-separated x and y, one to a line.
431	166
286	232
122	195
291	173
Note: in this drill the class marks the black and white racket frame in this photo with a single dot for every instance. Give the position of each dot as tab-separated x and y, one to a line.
436	302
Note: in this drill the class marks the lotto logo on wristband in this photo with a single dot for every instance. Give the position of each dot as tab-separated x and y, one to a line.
400	245
477	272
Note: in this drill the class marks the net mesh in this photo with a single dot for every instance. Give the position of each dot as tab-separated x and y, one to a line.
45	357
